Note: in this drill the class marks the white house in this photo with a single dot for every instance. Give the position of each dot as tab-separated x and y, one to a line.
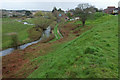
77	18
115	11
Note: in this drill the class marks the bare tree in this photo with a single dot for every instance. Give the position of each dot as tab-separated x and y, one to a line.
54	9
84	11
55	12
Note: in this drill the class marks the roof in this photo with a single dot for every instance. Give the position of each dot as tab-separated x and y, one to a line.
111	6
116	9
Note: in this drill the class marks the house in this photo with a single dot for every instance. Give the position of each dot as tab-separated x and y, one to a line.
115	11
12	13
67	18
109	9
77	18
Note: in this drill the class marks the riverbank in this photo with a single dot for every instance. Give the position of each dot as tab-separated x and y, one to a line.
93	54
10	25
32	51
81	53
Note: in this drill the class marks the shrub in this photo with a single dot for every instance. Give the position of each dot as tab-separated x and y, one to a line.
35	33
99	14
45	39
14	39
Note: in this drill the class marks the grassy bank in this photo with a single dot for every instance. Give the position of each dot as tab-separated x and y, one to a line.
11	25
55	31
94	54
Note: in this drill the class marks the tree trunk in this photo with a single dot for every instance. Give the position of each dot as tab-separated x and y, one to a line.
83	22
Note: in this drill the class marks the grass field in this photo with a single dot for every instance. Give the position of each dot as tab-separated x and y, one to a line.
94	54
11	25
29	20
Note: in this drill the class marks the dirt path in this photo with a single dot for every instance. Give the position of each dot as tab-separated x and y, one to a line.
58	31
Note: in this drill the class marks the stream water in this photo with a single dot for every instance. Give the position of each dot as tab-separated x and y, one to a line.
46	34
27	23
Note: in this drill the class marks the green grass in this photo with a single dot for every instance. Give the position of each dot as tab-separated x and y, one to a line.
94	54
11	25
29	20
57	35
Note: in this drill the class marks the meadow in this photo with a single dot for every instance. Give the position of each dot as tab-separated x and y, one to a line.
94	54
11	25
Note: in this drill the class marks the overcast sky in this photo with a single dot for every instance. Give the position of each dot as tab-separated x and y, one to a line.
49	4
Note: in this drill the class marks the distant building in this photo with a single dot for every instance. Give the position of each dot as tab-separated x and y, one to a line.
14	13
77	18
111	10
115	11
33	13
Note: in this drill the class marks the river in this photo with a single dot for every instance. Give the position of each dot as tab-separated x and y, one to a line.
46	33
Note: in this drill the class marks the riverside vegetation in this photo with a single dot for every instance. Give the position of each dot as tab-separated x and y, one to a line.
94	54
83	52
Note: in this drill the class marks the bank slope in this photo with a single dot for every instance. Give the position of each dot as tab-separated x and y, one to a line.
94	54
9	26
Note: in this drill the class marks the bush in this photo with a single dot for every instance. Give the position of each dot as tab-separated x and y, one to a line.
14	39
45	39
99	14
35	33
